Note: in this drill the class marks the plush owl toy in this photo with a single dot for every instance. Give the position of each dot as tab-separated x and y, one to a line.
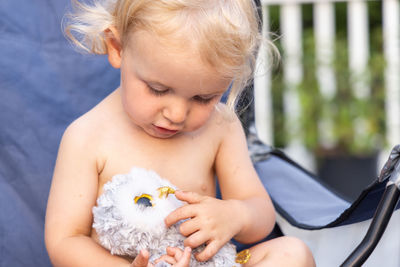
129	217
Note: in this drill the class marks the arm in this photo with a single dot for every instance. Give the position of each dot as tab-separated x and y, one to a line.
69	211
246	211
239	181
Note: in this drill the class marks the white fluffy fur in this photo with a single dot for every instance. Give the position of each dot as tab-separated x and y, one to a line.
125	227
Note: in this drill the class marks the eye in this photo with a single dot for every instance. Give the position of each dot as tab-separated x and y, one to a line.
144	200
157	92
203	99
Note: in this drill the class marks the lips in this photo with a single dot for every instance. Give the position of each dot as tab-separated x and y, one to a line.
165	131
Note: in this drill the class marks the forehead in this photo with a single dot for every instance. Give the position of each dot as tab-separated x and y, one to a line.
174	63
174	48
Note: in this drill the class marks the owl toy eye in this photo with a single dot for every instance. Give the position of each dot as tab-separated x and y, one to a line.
144	200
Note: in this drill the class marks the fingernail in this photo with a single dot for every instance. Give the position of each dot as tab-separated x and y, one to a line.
143	252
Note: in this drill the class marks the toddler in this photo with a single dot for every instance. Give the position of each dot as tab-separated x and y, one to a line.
176	59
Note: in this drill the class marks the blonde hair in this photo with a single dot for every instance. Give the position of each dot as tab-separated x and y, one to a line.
224	32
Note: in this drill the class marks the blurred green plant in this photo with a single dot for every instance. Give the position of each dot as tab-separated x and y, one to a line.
358	123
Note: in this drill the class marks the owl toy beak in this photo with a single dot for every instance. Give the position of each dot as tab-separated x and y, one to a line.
165	191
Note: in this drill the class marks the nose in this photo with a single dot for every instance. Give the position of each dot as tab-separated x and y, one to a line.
176	111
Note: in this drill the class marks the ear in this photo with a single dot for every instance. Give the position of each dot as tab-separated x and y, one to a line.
114	48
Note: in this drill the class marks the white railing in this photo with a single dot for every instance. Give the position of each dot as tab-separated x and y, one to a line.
324	31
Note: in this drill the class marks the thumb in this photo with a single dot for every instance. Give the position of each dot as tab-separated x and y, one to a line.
189	197
141	260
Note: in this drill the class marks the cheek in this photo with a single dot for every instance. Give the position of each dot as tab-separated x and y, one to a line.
136	104
129	103
200	115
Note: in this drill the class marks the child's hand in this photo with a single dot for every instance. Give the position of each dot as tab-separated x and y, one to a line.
142	260
211	221
177	257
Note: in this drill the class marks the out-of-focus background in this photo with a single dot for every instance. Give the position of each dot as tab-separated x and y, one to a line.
333	102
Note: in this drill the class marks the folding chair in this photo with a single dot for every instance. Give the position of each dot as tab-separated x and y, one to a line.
338	232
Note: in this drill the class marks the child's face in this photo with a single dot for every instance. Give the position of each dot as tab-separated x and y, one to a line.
167	92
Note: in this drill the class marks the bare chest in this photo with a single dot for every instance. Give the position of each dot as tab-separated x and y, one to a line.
187	163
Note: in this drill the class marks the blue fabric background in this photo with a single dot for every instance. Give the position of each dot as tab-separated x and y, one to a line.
44	86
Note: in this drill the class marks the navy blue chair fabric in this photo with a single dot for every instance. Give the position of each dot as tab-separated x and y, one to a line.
305	202
45	85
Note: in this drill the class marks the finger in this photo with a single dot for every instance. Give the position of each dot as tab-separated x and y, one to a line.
174	252
195	240
189	227
189	197
210	250
166	258
142	259
182	213
185	259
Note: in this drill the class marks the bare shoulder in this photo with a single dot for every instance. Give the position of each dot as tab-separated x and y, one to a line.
232	164
230	132
79	137
84	128
85	134
227	123
91	125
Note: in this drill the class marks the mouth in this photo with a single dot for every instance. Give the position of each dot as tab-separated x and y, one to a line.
165	131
